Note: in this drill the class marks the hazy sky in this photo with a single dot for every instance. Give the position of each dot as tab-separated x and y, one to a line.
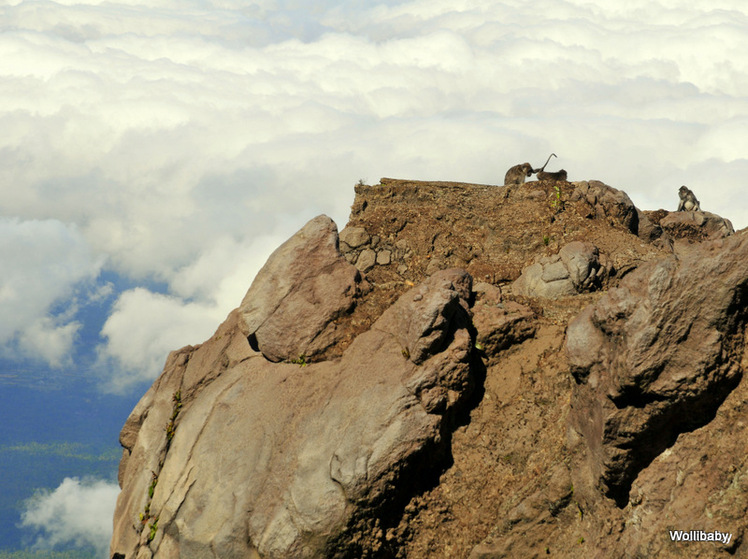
154	152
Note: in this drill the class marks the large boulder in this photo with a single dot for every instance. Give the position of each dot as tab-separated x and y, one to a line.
649	228
290	310
656	356
499	323
605	202
575	269
229	455
696	226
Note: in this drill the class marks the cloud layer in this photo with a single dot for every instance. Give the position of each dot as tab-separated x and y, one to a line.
180	142
42	262
78	512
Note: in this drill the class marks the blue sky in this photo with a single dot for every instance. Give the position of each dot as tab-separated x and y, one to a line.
155	152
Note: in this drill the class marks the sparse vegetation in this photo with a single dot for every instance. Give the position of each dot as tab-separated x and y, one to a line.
151	489
171	429
153	529
300	361
556	202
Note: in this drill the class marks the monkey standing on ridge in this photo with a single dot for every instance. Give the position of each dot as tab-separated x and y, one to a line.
688	201
516	175
556	176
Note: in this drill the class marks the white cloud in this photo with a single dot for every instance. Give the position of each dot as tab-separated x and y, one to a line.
46	339
42	263
144	326
78	512
174	133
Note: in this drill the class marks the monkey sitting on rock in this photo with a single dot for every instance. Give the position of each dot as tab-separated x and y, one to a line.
516	175
688	201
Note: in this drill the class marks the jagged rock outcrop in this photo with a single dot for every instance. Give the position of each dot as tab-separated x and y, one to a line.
688	226
656	357
649	227
697	226
295	460
367	399
291	310
500	324
606	202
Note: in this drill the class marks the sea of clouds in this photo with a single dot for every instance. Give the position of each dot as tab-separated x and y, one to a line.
173	145
178	143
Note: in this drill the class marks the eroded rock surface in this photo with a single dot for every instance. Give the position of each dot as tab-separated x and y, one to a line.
283	460
499	323
291	309
655	357
606	202
364	424
696	226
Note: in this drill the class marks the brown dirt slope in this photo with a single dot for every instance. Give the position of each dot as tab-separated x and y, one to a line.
510	490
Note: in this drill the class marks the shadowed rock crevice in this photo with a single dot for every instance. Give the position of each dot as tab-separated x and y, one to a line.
660	433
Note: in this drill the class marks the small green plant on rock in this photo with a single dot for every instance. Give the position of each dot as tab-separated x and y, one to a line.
152	488
171	426
177	401
300	361
556	202
153	529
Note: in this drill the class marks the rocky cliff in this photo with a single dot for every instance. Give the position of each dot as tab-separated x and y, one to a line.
463	371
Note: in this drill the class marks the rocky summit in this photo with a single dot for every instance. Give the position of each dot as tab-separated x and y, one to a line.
464	370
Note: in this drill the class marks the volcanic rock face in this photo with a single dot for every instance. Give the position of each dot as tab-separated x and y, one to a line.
283	460
606	202
657	356
696	225
368	398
